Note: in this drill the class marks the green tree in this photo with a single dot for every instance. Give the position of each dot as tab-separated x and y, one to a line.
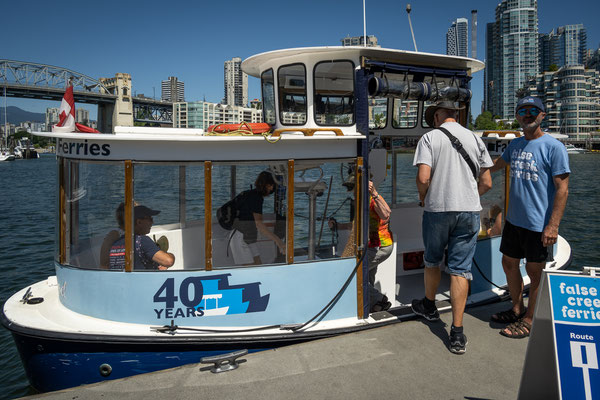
379	120
553	68
485	122
515	125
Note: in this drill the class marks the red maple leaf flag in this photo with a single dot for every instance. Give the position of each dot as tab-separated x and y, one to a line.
66	114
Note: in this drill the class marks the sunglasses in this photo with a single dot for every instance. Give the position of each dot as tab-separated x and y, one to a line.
534	111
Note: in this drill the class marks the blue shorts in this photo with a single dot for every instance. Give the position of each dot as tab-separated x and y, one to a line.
455	230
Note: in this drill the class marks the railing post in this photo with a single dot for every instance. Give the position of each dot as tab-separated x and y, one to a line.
290	213
208	215
129	222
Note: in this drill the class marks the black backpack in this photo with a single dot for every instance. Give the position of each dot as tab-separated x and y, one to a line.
229	212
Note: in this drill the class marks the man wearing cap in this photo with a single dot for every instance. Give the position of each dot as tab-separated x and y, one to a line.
449	192
539	186
147	255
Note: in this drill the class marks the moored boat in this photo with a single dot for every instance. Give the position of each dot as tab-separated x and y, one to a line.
6	156
338	115
572	149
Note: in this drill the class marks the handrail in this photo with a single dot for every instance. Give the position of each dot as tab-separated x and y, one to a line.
307	131
360	246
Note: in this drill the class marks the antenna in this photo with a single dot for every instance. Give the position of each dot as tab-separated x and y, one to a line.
364	24
411	29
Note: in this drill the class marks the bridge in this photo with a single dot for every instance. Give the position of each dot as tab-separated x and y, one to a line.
116	105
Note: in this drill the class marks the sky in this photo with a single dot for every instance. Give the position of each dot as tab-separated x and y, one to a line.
152	40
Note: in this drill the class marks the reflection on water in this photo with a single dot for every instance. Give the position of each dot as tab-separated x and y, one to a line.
27	220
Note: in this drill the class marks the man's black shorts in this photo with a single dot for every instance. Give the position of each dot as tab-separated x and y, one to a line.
520	243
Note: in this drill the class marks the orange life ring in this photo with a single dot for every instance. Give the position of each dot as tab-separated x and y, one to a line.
257	128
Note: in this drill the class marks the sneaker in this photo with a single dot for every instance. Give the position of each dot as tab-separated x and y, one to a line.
419	308
458	343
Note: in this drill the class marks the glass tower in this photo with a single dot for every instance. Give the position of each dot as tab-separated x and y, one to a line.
567	45
514	43
457	38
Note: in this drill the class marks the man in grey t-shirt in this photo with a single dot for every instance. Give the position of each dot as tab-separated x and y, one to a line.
450	194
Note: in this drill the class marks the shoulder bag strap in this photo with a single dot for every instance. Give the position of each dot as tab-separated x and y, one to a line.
459	147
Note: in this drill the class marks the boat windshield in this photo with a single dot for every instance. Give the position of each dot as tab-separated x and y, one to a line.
176	209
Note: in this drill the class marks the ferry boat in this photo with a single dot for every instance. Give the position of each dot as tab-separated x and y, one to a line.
339	116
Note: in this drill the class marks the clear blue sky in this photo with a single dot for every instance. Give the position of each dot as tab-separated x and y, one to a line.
152	40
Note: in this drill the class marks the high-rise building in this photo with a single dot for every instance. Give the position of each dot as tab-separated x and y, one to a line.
567	45
360	41
236	83
488	87
172	90
512	54
457	38
571	97
82	116
593	59
52	117
201	114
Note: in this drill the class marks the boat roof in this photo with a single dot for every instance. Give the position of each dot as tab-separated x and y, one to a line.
254	65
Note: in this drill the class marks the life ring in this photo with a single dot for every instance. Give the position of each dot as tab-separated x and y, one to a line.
256	128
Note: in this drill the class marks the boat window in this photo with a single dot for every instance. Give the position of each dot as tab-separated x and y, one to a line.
405	113
93	194
250	239
170	198
323	209
492	204
334	93
268	96
426	104
377	112
292	94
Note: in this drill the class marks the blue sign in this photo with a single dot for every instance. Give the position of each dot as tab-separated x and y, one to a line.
575	303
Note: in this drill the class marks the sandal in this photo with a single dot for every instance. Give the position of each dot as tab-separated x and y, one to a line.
517	330
507	317
381	305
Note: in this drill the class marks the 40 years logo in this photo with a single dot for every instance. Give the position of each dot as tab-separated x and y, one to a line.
207	296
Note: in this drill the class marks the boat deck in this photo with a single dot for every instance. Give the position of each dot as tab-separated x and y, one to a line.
405	360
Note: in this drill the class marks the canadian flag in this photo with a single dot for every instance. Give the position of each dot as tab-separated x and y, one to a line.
66	115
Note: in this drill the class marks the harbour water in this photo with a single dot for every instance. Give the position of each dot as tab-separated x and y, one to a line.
27	221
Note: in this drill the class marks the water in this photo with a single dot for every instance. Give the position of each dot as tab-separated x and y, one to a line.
27	236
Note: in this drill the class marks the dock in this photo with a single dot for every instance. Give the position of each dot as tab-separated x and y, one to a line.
407	360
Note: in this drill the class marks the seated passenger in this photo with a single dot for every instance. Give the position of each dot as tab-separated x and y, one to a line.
112	236
147	255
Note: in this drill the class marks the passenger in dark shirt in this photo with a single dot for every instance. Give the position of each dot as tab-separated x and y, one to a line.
243	238
147	255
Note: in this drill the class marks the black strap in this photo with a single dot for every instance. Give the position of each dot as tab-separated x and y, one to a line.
459	147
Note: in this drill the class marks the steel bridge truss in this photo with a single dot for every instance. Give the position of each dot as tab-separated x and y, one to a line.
151	113
48	76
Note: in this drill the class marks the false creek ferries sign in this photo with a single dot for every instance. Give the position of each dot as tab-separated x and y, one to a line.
564	344
576	316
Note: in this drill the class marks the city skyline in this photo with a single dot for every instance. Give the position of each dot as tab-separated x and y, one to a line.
194	57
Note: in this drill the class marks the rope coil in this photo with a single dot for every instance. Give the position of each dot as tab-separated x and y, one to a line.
244	129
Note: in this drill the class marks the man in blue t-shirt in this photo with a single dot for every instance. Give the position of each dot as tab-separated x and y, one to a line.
147	255
539	186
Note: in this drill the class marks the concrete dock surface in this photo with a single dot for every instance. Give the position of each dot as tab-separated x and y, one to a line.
407	360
